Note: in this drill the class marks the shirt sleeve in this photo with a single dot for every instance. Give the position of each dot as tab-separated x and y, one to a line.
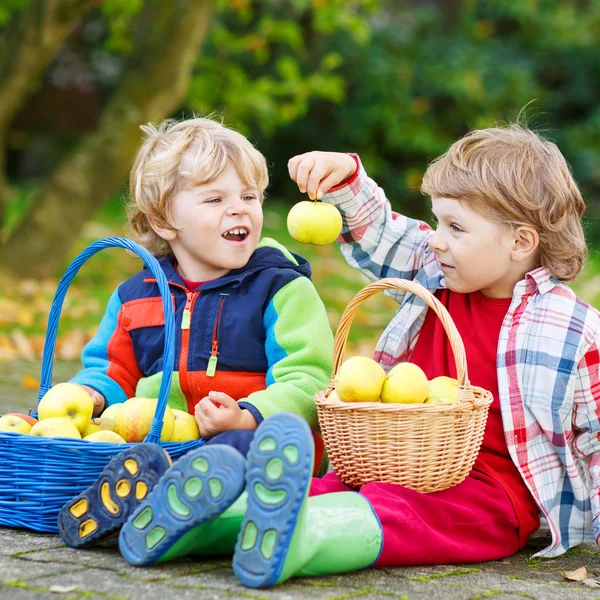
586	421
299	348
374	238
108	359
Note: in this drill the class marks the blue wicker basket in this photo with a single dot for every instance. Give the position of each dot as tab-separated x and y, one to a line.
39	475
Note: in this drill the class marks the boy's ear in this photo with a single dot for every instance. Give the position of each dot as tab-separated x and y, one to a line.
526	243
166	233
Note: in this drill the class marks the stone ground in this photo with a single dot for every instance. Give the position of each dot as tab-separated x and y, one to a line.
40	566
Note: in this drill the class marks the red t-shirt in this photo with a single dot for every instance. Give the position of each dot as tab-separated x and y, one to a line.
478	320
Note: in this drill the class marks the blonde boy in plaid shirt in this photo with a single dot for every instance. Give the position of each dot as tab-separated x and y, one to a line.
508	237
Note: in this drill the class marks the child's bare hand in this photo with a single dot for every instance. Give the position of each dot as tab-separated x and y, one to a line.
97	397
317	172
219	412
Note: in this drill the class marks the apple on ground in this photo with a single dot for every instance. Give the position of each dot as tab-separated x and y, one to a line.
312	222
443	390
67	400
185	427
106	436
406	383
134	419
14	424
359	379
31	420
56	427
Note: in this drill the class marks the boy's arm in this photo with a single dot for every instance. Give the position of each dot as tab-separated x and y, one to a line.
109	364
374	238
586	421
299	347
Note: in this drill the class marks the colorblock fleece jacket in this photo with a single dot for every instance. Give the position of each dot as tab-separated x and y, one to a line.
259	334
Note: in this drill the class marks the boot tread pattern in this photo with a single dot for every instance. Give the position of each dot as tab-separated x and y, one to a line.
199	487
278	473
101	510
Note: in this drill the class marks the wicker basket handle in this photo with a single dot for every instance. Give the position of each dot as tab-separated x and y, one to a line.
392	283
169	349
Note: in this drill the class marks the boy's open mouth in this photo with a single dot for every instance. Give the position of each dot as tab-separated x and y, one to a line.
237	234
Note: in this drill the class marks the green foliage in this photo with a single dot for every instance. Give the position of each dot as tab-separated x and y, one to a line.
8	9
120	15
266	61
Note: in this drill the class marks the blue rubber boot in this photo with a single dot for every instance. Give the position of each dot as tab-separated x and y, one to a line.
102	509
196	508
285	533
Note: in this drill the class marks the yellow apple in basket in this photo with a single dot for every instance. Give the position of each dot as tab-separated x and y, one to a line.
185	427
311	222
134	418
442	390
99	424
105	435
359	379
14	424
56	427
406	383
67	400
111	411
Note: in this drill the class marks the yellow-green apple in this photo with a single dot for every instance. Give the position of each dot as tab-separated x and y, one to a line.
31	420
185	427
14	424
111	411
105	435
98	424
442	390
67	400
56	427
406	383
134	418
359	379
311	222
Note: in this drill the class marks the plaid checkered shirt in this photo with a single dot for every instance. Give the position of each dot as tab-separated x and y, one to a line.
548	359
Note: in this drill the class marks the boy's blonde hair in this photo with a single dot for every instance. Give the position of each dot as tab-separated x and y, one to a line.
514	176
179	155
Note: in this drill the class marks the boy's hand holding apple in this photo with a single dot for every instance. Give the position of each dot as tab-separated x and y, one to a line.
219	412
97	397
317	172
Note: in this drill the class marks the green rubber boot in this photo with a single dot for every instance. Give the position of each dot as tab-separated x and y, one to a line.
216	537
285	533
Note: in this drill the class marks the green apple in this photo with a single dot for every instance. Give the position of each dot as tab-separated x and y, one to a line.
312	222
406	383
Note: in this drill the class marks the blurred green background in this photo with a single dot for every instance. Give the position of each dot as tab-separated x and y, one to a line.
396	81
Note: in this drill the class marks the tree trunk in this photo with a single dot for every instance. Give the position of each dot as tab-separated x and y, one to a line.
168	35
31	42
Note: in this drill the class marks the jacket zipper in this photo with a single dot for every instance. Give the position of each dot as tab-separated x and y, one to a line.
186	322
212	361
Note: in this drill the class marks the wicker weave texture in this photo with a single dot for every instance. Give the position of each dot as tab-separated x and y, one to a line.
425	447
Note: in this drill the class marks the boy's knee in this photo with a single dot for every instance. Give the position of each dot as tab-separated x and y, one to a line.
239	439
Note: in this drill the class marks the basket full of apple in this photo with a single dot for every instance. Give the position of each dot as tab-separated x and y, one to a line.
51	456
399	427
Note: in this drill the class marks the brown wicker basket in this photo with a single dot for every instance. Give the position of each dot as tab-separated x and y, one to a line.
425	447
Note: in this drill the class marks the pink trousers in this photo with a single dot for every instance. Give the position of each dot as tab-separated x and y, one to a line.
473	521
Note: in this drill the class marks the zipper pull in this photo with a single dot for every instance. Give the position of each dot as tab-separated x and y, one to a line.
212	361
187	314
